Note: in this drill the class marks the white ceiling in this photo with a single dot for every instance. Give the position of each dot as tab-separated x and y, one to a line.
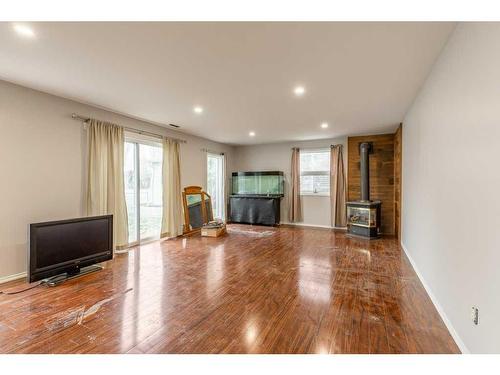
359	77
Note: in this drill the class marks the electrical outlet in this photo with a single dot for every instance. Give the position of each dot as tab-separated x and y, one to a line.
475	315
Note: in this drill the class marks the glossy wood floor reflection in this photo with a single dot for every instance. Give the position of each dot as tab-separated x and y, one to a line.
256	290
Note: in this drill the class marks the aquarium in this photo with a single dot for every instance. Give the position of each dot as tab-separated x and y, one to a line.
257	183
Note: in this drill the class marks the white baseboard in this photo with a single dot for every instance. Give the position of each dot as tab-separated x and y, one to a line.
123	251
311	225
12	277
447	322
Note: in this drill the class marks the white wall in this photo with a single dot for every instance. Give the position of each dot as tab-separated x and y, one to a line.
42	163
451	183
277	157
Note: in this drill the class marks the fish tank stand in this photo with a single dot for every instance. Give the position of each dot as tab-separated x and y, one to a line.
256	197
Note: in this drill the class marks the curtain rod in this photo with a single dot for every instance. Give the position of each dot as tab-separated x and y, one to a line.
211	151
74	116
315	148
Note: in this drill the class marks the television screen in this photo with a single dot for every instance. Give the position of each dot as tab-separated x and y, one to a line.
66	246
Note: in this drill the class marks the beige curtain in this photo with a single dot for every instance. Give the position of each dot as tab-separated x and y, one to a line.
171	225
337	187
105	183
295	207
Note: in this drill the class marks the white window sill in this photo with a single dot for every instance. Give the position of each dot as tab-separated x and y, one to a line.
314	194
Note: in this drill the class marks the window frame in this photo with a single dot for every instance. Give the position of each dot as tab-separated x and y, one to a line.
315	173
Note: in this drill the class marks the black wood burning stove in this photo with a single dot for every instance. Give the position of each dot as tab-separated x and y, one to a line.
363	216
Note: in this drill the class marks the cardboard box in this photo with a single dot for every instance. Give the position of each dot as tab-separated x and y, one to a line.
213	232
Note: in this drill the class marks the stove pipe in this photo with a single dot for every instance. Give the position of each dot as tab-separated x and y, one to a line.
365	149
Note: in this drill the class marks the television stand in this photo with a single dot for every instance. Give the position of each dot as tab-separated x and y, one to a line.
59	279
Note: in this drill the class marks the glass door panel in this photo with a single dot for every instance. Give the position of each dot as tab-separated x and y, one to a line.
130	177
215	183
143	190
151	200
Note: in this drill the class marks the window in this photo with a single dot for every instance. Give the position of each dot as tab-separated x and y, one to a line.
215	183
315	172
143	188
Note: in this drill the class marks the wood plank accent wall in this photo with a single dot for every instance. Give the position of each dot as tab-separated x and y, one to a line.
398	149
381	174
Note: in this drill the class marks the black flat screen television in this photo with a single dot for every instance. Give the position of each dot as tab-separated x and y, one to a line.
65	246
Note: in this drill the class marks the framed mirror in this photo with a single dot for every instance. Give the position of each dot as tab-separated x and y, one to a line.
197	208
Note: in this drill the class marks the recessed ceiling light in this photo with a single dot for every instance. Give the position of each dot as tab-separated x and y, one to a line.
251	134
24	30
198	109
299	90
324	125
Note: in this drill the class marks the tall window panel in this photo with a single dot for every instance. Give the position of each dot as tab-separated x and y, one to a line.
315	172
215	183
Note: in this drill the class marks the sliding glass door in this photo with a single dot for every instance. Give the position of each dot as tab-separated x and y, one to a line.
131	167
215	183
143	189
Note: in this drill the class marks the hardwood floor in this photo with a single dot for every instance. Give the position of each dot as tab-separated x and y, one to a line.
255	290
